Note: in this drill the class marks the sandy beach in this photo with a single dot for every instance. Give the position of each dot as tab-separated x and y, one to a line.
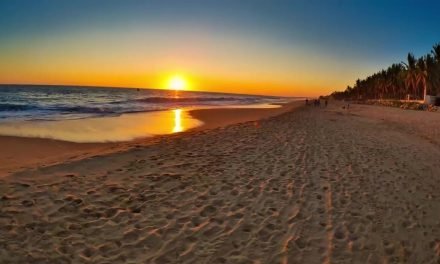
310	185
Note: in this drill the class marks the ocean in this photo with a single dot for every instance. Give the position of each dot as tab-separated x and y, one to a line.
49	103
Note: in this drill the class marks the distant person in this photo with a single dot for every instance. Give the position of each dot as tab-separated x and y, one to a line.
307	101
326	102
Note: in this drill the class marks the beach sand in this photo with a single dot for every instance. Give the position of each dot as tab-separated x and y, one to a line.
311	185
18	153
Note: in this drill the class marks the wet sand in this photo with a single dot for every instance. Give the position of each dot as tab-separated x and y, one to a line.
18	153
220	117
21	153
312	185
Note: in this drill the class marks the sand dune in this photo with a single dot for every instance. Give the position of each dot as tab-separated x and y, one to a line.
307	186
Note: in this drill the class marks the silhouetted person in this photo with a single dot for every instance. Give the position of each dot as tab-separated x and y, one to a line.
326	102
307	101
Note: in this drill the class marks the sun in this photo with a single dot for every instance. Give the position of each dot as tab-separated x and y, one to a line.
177	83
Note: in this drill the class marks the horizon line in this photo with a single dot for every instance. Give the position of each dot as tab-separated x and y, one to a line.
145	88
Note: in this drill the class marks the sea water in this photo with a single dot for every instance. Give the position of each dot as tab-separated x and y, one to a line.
31	102
102	114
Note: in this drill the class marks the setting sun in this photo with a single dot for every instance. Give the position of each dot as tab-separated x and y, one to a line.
177	83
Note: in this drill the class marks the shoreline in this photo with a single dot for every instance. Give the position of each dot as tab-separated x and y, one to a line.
221	117
306	186
23	153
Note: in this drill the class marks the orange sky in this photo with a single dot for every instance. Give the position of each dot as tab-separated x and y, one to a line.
146	58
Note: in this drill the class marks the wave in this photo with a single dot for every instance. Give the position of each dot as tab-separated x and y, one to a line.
188	99
126	107
15	107
26	102
119	107
57	109
83	109
102	110
61	109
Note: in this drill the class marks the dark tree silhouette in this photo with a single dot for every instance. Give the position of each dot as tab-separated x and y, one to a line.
413	79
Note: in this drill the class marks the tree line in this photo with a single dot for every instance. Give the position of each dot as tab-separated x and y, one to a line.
413	79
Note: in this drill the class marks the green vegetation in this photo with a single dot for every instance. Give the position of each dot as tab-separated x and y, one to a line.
413	79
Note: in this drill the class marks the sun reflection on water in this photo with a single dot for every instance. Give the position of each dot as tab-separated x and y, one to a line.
105	129
177	121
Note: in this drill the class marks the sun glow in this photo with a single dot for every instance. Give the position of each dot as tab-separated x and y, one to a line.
177	121
177	83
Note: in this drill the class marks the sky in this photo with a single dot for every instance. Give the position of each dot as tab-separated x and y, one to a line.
277	47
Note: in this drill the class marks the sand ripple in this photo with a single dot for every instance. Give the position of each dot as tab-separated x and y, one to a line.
311	186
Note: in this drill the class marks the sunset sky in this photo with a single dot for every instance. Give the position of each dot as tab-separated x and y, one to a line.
244	46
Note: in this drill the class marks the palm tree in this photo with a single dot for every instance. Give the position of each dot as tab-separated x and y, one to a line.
436	52
432	74
422	75
434	69
382	85
395	75
411	73
358	89
417	77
